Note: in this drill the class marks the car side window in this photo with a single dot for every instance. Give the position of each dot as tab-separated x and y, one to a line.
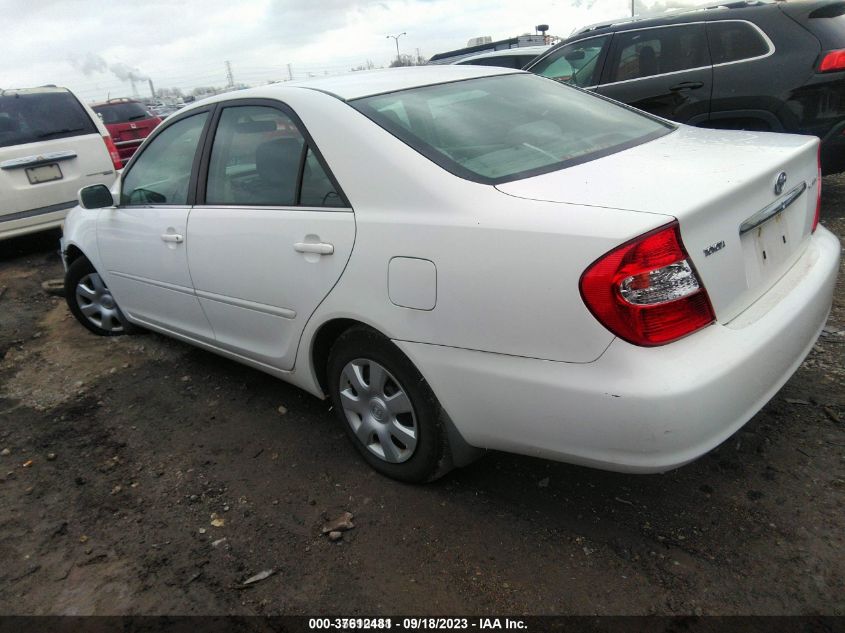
162	173
317	188
650	52
735	41
257	160
575	63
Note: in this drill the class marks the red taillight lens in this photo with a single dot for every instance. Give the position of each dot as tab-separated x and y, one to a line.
818	194
832	61
646	291
115	157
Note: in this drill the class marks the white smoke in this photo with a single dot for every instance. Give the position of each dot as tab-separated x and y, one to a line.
91	63
127	73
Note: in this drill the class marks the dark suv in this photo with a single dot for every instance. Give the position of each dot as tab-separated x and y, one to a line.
773	66
128	122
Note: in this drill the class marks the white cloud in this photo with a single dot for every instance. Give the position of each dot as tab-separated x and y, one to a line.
90	45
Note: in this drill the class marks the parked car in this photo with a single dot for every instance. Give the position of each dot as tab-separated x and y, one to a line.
129	123
739	65
464	257
164	111
508	58
51	145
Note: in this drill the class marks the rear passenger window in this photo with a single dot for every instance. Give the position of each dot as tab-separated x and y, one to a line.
317	188
734	41
658	51
257	160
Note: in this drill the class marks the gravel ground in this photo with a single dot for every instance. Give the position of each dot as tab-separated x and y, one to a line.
141	476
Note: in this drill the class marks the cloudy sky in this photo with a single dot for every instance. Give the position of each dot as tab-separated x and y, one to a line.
94	47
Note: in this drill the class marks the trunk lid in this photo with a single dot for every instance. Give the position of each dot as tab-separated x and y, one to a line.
721	186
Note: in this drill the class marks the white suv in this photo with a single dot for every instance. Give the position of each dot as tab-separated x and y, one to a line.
51	145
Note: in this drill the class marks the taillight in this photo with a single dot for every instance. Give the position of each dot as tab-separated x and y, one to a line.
112	150
818	194
832	61
647	291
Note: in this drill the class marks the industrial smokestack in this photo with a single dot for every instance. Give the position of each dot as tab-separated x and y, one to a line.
152	89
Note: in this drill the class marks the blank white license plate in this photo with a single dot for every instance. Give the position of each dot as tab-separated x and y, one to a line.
43	173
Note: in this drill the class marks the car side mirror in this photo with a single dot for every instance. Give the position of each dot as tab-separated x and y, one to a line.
95	197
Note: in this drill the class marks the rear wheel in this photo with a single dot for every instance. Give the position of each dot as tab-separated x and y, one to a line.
92	303
387	408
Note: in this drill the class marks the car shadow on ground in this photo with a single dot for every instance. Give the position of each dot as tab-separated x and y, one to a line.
43	243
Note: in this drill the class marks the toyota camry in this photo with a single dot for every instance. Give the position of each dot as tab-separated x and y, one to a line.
466	258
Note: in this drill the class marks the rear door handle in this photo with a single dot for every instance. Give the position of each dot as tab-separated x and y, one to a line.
172	237
321	248
687	85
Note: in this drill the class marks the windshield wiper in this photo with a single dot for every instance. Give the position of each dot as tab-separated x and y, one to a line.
136	117
62	131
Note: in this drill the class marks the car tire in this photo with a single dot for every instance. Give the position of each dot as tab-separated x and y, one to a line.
91	302
387	408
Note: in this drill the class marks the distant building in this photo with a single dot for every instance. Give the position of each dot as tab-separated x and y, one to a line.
450	57
478	41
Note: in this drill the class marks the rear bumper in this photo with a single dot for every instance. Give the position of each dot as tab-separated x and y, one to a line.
34	220
640	409
126	149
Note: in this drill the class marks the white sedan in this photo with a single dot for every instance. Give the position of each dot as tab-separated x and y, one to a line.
467	258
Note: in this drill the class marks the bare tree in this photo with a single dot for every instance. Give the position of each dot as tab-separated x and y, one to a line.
407	60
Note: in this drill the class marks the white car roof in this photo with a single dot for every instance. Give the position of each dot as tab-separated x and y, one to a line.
35	90
366	83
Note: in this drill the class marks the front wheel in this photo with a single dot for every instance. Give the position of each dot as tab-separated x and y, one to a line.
386	407
92	303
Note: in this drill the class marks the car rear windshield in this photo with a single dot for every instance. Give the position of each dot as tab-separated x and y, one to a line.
121	112
499	129
40	116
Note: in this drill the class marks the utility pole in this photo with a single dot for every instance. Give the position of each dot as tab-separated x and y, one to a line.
290	73
632	8
396	39
230	79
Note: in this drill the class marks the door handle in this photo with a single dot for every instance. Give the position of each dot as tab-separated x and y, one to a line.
320	248
687	85
172	237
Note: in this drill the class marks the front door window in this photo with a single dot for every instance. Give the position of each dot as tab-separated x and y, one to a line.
162	173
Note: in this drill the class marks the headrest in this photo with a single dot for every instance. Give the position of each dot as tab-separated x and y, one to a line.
278	159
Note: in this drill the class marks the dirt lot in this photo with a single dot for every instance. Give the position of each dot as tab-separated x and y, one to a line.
141	476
